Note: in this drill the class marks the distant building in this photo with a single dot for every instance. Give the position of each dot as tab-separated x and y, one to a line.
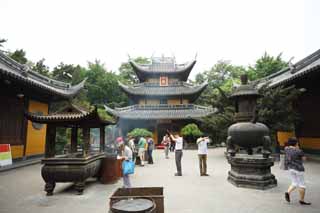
162	100
24	90
304	74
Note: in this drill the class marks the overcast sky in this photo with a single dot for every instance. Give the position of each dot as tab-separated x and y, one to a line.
74	31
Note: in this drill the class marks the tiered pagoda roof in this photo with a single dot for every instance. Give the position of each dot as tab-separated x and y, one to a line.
163	66
161	111
308	65
12	71
175	88
154	90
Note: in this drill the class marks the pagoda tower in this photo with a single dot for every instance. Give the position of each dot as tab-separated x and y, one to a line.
162	100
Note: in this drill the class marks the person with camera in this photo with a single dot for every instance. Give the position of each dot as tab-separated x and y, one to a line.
202	143
178	151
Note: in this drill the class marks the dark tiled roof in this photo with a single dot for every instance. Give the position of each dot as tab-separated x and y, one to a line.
16	72
162	111
305	66
68	114
146	89
169	69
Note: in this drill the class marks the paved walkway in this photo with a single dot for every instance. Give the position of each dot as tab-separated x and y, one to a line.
21	190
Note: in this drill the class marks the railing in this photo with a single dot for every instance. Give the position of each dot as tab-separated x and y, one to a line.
164	107
157	84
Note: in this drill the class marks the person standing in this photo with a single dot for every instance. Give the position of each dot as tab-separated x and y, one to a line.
150	149
178	152
166	143
294	157
202	143
132	147
141	145
126	154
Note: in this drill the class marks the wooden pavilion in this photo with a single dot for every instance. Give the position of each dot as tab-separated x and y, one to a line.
80	162
305	74
22	88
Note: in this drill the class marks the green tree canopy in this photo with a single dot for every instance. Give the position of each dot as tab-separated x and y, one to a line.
41	68
19	56
127	73
266	65
139	132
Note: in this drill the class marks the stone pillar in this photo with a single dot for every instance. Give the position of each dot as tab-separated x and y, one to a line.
86	141
74	139
50	141
102	138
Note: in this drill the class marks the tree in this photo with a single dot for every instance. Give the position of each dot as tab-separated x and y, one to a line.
103	87
67	73
139	132
265	66
2	41
276	108
41	68
127	73
19	56
191	132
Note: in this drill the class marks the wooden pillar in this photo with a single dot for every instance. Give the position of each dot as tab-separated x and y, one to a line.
86	141
50	141
74	139
102	138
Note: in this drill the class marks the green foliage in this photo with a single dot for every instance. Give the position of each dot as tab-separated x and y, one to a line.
103	87
276	108
2	41
19	56
104	115
191	130
266	65
65	72
137	132
41	68
127	74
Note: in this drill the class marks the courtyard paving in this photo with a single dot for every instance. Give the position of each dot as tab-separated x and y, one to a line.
21	190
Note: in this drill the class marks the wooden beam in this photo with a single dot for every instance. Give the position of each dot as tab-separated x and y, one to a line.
102	138
50	141
74	139
86	141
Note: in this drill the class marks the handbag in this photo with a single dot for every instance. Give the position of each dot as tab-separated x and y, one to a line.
128	167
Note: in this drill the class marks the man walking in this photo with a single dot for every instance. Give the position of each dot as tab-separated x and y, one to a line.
178	152
202	153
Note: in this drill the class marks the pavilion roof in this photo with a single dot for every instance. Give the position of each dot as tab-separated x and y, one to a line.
13	71
70	115
299	70
176	89
161	67
161	111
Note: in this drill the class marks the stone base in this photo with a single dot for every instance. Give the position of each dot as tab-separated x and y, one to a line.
251	171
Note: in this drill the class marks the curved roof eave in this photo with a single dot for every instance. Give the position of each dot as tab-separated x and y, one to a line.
182	73
22	74
191	91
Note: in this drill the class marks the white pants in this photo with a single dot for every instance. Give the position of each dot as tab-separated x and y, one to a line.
297	178
141	155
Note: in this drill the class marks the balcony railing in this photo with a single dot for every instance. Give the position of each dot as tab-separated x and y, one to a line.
164	107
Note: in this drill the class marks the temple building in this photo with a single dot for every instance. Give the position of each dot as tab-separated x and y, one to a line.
305	74
162	100
22	89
